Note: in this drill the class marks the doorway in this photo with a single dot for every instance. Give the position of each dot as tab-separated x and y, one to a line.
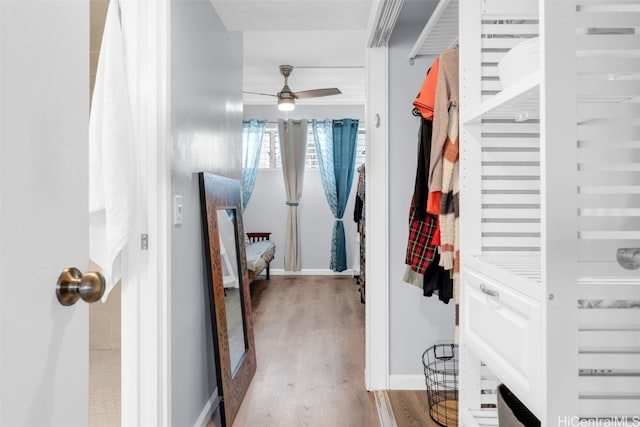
105	340
104	361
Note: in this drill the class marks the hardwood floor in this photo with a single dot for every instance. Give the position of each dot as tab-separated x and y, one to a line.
309	333
410	408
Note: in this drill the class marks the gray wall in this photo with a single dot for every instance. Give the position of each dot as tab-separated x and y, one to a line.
415	321
206	126
267	211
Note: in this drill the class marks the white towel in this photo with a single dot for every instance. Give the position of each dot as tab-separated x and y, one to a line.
111	155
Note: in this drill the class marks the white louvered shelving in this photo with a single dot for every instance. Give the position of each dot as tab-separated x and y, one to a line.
440	32
550	189
518	102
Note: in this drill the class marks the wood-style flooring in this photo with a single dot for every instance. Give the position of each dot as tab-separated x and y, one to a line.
309	337
410	408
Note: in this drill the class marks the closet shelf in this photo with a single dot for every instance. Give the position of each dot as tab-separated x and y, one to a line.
440	32
518	102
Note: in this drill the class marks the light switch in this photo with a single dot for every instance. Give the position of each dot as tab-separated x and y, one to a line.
177	210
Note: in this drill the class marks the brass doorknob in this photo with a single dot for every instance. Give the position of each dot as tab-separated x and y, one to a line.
73	285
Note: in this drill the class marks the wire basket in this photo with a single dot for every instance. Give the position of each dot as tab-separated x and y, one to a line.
441	376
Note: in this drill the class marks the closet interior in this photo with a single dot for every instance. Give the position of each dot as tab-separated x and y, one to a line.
549	205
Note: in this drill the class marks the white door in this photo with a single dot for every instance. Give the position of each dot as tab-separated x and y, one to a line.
44	105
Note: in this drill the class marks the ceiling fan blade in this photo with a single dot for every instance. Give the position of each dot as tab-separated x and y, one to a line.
260	93
314	93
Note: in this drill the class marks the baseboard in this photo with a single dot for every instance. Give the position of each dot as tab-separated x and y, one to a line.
407	382
311	272
208	410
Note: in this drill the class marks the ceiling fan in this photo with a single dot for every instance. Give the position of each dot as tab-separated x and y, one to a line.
286	98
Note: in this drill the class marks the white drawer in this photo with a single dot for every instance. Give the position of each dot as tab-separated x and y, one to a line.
503	327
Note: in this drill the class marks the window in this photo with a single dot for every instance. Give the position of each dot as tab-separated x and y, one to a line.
270	152
361	146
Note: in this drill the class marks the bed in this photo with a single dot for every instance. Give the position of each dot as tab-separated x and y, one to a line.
260	252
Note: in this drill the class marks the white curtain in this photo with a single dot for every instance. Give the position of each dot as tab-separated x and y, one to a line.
293	150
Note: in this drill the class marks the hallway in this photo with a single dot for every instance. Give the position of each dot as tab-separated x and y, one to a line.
309	334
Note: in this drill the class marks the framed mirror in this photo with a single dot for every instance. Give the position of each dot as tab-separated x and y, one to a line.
228	288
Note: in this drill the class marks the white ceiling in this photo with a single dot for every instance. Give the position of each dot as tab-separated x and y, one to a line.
324	40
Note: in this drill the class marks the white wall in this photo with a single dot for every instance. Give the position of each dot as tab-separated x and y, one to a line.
267	211
416	322
206	126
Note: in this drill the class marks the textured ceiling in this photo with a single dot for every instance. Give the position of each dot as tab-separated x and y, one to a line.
320	60
324	41
293	15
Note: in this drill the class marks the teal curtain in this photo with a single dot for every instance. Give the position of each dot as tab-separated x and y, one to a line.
335	142
252	131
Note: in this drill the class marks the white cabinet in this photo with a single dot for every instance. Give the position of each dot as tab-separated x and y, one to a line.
504	328
550	188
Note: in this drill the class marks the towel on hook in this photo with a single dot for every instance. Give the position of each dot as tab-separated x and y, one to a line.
112	181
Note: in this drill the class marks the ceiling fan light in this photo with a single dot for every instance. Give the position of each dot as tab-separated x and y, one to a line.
285	104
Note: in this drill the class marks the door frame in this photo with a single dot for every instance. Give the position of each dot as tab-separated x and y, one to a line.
377	221
146	332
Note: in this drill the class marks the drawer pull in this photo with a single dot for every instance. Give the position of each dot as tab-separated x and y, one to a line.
489	292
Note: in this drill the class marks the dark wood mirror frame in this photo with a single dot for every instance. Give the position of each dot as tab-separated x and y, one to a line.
219	193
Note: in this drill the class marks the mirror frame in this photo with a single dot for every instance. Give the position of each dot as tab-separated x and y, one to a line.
218	193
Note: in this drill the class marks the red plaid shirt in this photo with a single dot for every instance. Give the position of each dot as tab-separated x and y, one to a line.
420	253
